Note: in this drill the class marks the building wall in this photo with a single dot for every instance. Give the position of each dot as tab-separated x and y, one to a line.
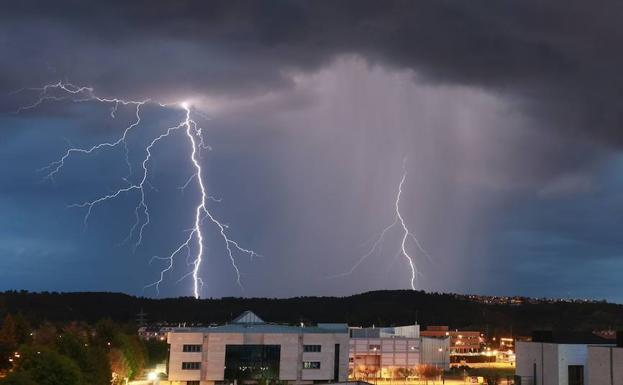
408	331
212	357
605	365
213	363
325	356
290	361
430	353
380	357
544	356
177	356
461	341
571	355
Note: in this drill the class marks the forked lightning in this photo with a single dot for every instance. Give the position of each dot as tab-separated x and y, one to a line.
406	235
68	92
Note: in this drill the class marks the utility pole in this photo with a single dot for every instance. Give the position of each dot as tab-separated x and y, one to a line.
141	318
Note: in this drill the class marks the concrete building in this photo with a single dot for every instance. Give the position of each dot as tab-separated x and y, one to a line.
553	358
249	349
605	363
461	341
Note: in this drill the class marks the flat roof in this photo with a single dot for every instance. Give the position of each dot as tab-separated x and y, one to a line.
249	322
570	338
267	328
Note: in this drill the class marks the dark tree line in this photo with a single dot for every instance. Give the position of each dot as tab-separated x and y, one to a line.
380	308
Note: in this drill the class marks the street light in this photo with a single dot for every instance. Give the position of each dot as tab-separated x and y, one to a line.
152	376
443	365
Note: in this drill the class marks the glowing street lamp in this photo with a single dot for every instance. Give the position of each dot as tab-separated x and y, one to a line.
152	376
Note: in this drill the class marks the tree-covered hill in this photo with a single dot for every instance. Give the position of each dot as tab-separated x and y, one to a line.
380	308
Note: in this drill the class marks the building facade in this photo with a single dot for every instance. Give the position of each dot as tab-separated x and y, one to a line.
249	350
605	363
461	341
435	351
383	352
555	358
394	352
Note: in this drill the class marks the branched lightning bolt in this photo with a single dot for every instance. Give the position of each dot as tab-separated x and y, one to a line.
66	91
406	235
406	232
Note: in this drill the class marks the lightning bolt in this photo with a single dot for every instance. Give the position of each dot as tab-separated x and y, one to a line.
69	92
406	236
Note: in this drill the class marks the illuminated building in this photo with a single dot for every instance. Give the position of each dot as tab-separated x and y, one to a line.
393	352
461	341
251	350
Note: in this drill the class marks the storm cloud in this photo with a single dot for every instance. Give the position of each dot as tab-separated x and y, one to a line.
508	113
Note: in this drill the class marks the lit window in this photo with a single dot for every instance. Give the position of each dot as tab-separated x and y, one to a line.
311	365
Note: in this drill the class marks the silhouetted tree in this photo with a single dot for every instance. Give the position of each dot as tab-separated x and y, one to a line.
157	351
48	367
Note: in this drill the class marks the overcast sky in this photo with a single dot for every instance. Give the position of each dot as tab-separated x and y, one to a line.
508	114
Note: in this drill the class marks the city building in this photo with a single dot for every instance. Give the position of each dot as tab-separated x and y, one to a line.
605	363
556	358
394	352
249	350
383	352
461	341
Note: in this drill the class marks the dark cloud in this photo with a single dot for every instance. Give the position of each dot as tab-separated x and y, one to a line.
559	61
504	108
560	57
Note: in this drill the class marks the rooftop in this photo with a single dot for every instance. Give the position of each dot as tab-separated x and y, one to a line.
570	337
249	322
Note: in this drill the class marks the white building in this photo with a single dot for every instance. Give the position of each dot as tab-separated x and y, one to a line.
605	364
249	350
555	358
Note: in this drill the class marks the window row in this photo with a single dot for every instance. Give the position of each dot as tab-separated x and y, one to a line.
191	348
191	365
311	348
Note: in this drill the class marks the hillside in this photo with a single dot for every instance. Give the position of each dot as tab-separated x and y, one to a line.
380	308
